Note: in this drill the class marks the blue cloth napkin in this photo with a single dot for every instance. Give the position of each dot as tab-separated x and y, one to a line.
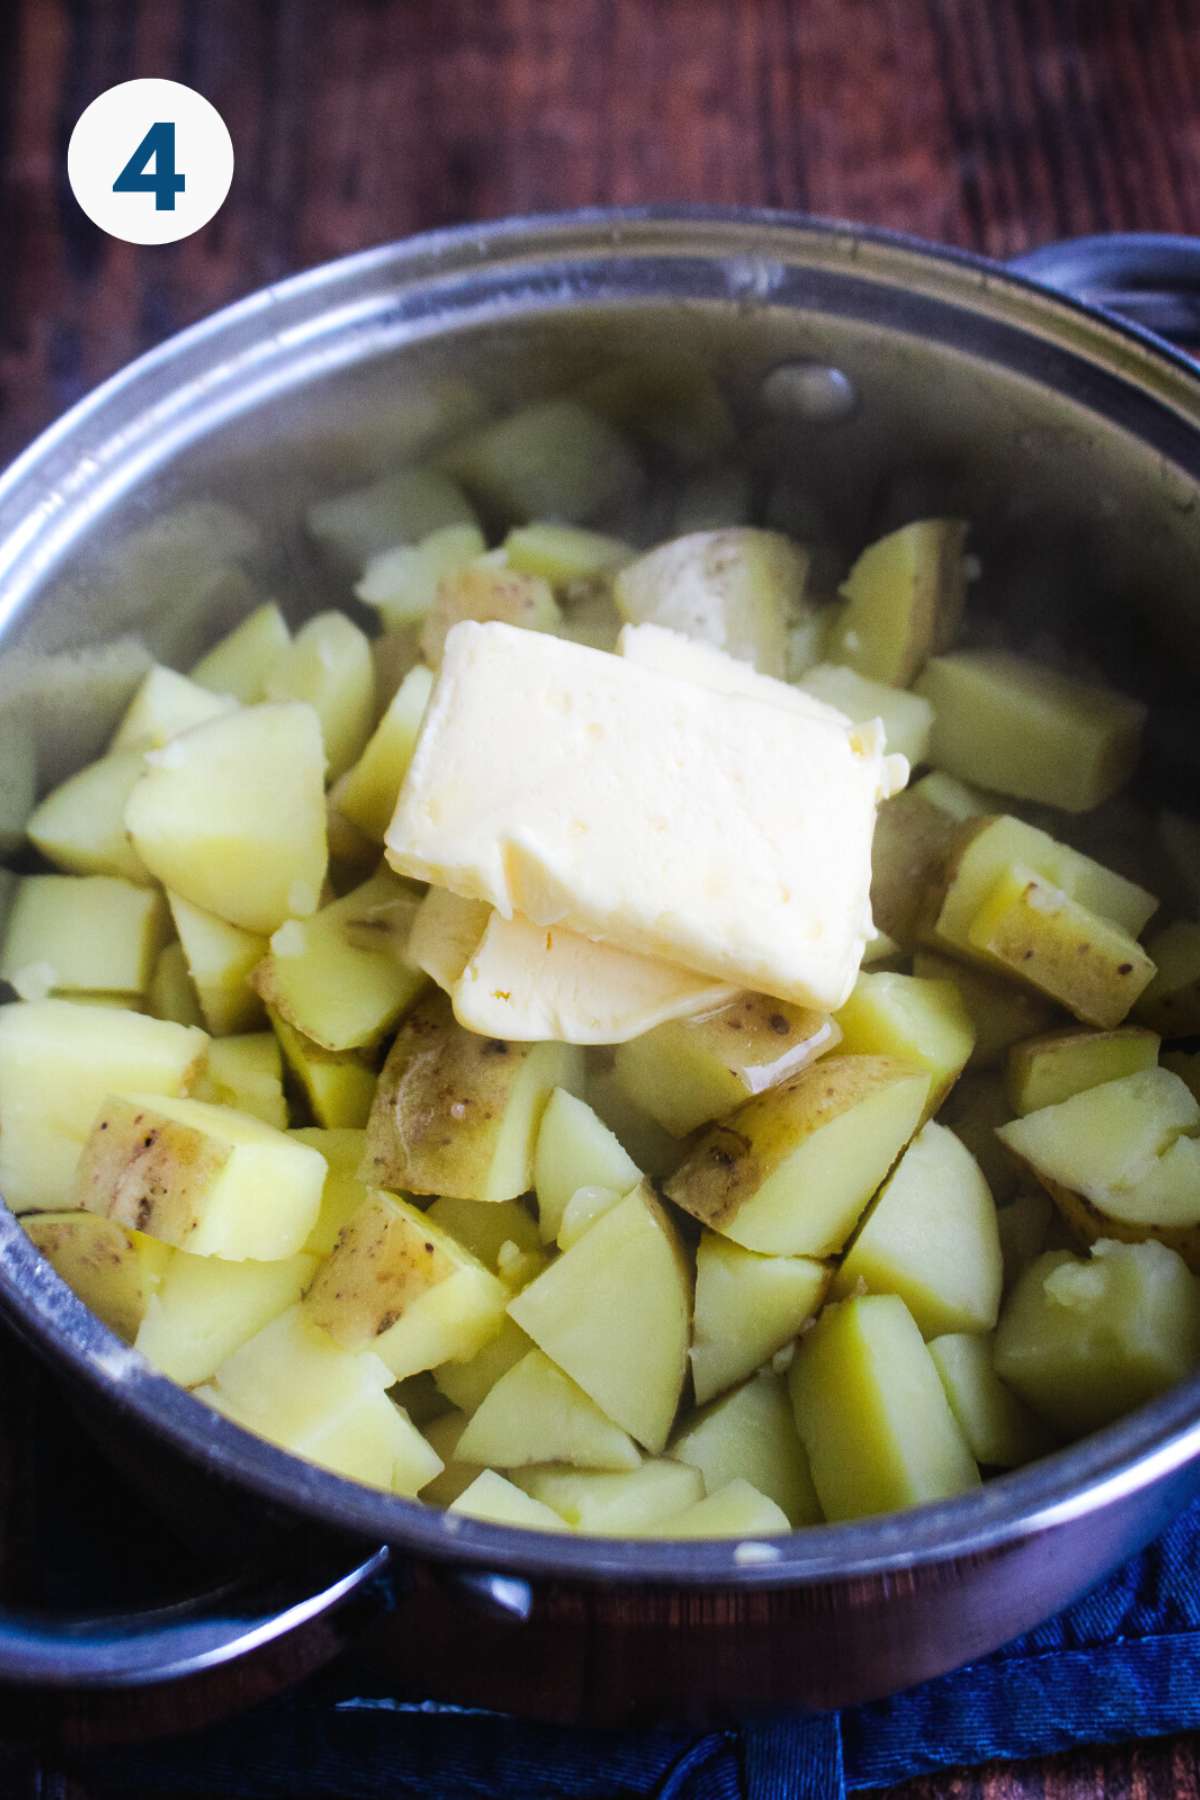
1122	1663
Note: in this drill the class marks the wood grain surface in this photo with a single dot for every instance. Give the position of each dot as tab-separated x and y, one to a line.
995	124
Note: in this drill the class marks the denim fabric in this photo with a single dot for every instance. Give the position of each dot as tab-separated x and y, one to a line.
1124	1662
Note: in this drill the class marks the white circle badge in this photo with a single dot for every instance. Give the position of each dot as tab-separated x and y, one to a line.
150	161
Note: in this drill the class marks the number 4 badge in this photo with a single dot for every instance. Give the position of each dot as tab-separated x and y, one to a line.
150	161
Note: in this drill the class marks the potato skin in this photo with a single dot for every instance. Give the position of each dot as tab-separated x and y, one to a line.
1089	1223
147	1172
379	1265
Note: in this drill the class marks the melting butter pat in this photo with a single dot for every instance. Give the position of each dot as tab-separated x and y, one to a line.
704	828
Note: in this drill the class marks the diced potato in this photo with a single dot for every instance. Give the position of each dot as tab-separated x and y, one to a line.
614	1503
458	1114
736	1510
999	1428
905	599
983	849
328	664
246	1073
1186	1065
613	1312
917	1021
808	640
1017	726
574	1150
536	1414
556	459
789	1172
204	1309
752	1433
343	1193
1171	1003
912	838
339	1085
517	1268
669	397
232	816
500	1502
203	1178
368	794
1084	1340
747	1307
932	1238
590	614
907	718
485	1229
57	1064
442	1435
976	1107
171	994
1121	1160
1024	1225
80	825
326	978
445	934
1046	1070
688	1071
220	958
1001	1012
1034	930
293	1385
467	1384
240	664
712	498
883	951
397	1284
654	1150
586	1205
951	796
486	593
165	704
113	1271
736	589
561	554
82	934
403	581
872	1414
401	507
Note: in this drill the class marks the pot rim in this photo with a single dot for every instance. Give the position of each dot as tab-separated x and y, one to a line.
73	465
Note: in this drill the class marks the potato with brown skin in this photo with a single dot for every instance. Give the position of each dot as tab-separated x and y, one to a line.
112	1270
905	597
484	593
457	1114
912	840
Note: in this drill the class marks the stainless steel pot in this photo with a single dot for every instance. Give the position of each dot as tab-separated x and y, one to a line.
166	499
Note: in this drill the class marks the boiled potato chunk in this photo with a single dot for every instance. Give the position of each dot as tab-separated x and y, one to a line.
203	1178
165	704
907	718
752	1433
80	825
1171	1003
83	934
326	976
112	1270
328	664
445	935
688	1071
403	582
293	1385
1000	1429
458	1114
917	1021
905	598
561	554
339	1085
57	1064
397	1284
1001	1012
171	994
654	1150
747	1307
204	1309
536	1414
1084	1340
343	1193
736	1510
246	1073
232	816
614	1503
442	1435
368	792
467	1384
485	1229
556	459
954	798
977	1106
1043	937
1121	1160
931	1237
872	1414
220	958
486	593
1046	1070
613	1312
575	1149
789	1172
912	839
736	589
499	1502
241	662
401	507
1024	729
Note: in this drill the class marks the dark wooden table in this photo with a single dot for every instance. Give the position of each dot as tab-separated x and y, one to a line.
996	124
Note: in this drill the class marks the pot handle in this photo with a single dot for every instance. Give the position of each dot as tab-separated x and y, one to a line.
169	1643
1152	279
